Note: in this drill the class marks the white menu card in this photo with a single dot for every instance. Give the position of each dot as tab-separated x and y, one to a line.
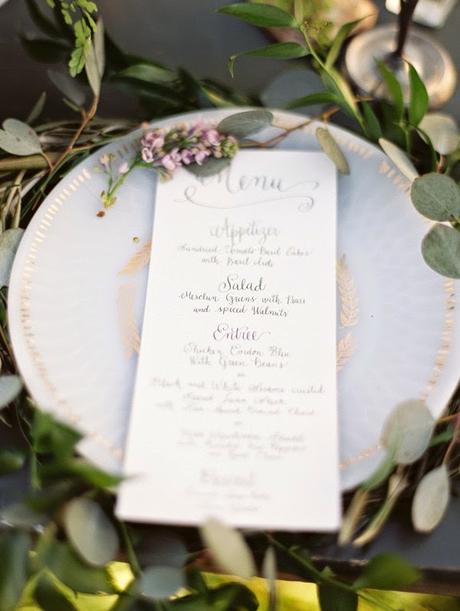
234	410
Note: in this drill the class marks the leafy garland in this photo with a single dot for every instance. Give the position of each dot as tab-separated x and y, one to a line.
61	537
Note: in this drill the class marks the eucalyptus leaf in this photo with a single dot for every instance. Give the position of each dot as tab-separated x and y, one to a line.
399	158
37	108
10	387
246	123
11	460
159	582
442	130
92	70
229	548
148	72
14	554
441	250
49	597
91	533
322	97
18	138
160	548
332	149
68	86
387	572
407	431
279	50
431	499
419	102
334	598
263	15
210	167
99	47
9	243
436	196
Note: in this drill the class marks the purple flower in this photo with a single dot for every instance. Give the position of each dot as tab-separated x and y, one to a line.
168	162
212	136
147	155
201	156
187	157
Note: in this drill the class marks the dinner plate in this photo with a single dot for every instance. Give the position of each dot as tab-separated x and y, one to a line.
78	284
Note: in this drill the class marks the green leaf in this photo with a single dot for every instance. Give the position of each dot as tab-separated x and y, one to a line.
343	33
11	460
45	50
322	97
149	73
232	597
14	554
52	437
159	582
37	108
9	244
441	250
382	472
393	88
436	196
41	21
332	149
263	15
228	548
90	532
334	598
407	431
419	102
160	548
371	123
99	47
279	50
18	138
48	596
20	515
68	86
69	569
84	470
431	499
387	572
92	70
210	167
442	130
399	158
10	387
246	123
336	84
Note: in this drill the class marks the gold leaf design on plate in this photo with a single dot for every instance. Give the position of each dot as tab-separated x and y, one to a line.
345	350
127	317
139	260
349	305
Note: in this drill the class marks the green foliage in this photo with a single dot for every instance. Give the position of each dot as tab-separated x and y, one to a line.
441	250
14	554
9	244
437	197
332	598
387	572
244	124
263	15
431	499
332	149
18	138
279	50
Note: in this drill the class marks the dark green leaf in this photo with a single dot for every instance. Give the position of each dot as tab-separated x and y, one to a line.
246	123
44	50
41	20
11	460
387	572
343	33
371	123
68	86
322	97
437	197
336	84
148	72
419	102
263	15
159	547
196	581
441	250
10	387
334	598
48	596
69	569
14	554
279	50
231	597
52	437
84	470
332	149
90	531
393	88
209	168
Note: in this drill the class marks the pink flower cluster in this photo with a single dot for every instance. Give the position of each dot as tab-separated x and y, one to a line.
182	145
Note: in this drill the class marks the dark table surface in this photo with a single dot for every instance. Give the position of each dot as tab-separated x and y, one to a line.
189	33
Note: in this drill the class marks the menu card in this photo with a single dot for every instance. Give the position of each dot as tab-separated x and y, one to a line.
234	410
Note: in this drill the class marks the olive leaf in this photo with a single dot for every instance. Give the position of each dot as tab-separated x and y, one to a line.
49	597
431	499
399	158
95	59
161	581
229	548
246	123
407	431
10	387
279	50
9	243
37	108
387	572
441	250
18	138
210	167
436	196
442	130
14	552
330	146
263	15
148	72
90	532
68	86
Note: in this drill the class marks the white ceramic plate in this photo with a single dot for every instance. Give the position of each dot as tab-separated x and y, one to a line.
73	312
